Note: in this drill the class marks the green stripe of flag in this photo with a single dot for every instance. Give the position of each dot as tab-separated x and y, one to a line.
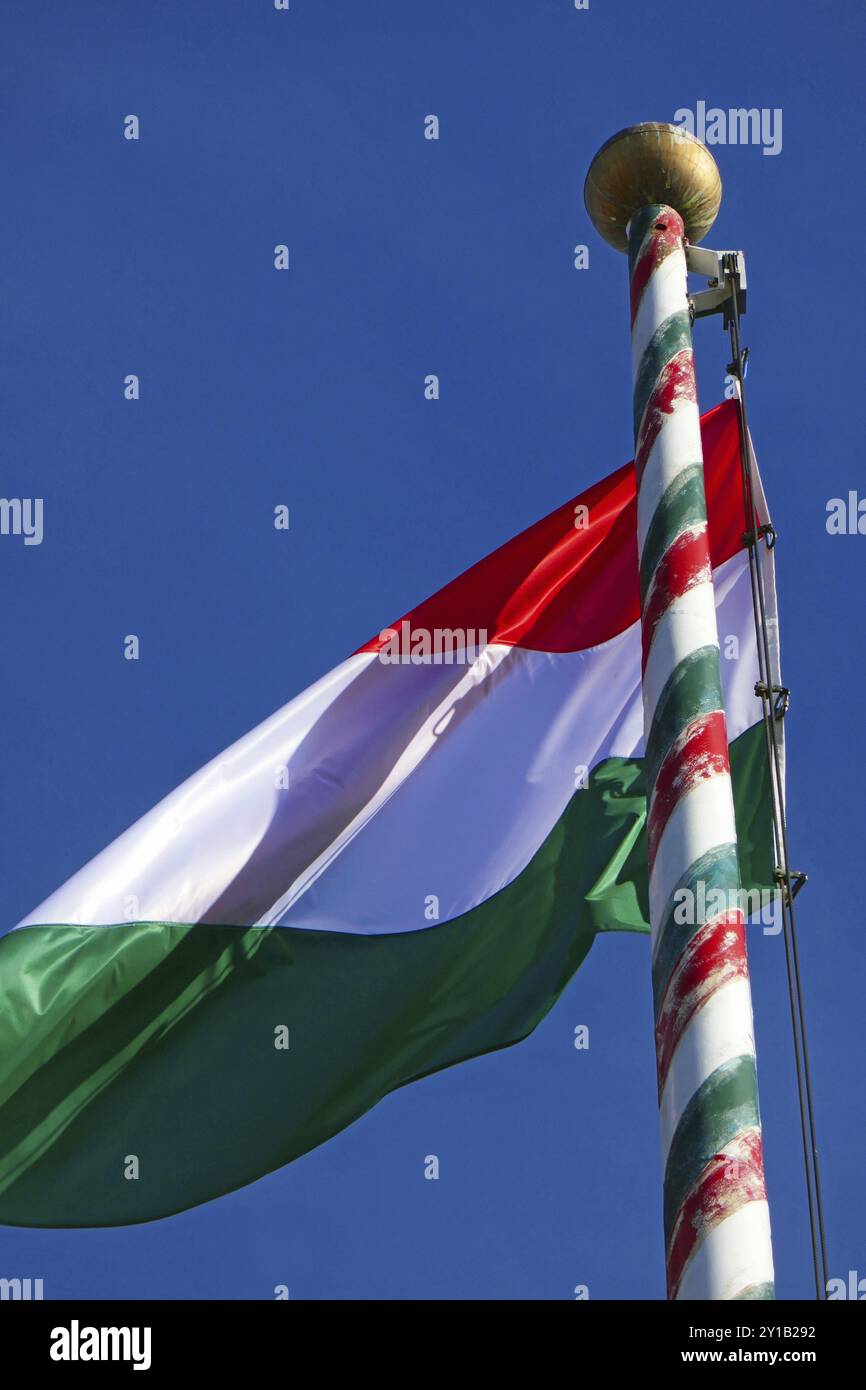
157	1039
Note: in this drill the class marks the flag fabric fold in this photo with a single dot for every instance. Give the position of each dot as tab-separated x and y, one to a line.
399	870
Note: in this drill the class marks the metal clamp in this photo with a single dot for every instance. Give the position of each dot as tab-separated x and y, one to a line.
782	702
766	532
797	880
733	368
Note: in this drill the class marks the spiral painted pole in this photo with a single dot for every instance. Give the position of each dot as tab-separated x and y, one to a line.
717	1228
716	1218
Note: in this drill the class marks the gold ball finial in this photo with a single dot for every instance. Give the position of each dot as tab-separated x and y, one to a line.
652	163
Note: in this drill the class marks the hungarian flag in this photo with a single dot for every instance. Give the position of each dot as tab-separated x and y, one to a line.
400	869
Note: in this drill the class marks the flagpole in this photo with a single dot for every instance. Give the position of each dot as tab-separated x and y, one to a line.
651	190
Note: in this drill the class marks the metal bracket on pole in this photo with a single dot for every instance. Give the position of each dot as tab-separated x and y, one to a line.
725	272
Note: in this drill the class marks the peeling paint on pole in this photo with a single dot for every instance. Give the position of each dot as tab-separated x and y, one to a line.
717	1231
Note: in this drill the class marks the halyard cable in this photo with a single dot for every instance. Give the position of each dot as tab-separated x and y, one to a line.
780	831
764	689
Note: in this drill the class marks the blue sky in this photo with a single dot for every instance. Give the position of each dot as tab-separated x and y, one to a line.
408	257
